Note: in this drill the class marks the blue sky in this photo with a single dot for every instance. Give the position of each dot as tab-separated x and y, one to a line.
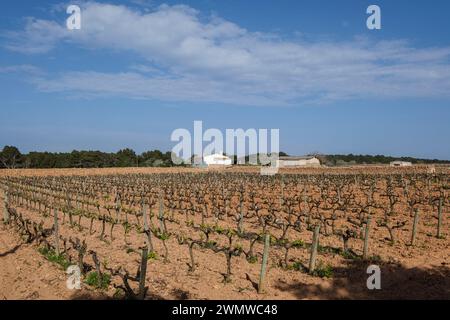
137	70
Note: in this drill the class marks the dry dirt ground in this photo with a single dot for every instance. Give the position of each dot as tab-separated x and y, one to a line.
26	274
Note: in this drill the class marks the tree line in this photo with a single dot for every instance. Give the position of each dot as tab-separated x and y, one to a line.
349	159
11	157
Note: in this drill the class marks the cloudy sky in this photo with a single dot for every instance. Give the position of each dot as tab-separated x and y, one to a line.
137	70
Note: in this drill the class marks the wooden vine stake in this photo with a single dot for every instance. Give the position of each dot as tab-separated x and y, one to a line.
56	226
414	230
315	244
146	228
142	273
161	213
262	274
241	219
439	226
366	237
5	206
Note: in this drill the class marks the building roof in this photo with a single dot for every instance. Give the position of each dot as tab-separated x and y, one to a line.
217	156
399	161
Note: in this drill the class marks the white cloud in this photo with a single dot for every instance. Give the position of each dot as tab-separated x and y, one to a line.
214	60
138	86
39	36
22	69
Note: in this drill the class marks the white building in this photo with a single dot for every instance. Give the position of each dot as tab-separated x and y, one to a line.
400	164
217	159
289	162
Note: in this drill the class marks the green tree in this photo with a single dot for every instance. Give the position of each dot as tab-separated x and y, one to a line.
10	157
127	158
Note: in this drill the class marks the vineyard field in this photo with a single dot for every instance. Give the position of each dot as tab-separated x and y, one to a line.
171	233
